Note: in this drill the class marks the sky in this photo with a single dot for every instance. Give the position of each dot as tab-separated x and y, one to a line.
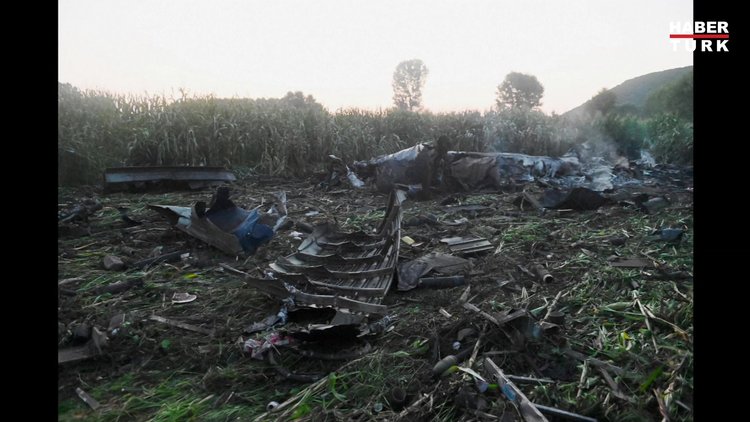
344	52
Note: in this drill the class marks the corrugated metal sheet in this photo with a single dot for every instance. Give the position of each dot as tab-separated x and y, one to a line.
467	245
346	271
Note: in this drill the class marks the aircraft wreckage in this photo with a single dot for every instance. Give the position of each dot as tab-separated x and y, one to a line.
423	165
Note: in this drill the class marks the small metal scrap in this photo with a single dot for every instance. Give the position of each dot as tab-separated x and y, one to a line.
467	245
183	298
93	404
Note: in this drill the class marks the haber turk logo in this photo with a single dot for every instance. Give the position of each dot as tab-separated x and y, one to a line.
709	36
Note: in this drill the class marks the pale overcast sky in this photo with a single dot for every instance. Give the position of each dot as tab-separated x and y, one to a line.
344	52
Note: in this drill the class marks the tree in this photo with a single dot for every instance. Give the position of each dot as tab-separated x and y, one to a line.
408	80
519	91
603	102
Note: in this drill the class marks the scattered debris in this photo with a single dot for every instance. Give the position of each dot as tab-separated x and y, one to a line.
441	282
529	412
75	354
70	280
113	263
267	323
119	286
82	332
272	405
556	317
441	367
143	178
668	235
183	298
425	165
336	169
410	272
93	404
115	323
654	204
457	222
632	263
330	301
258	347
296	235
543	274
224	225
524	198
562	414
411	166
97	341
467	245
579	199
472	170
421	220
79	212
397	398
646	160
346	271
278	318
528	380
126	218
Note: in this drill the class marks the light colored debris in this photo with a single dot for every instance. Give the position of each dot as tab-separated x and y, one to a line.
183	298
93	404
70	280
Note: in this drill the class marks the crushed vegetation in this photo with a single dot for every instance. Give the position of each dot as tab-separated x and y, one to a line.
621	297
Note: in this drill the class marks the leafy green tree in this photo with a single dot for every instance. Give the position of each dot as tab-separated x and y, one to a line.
519	91
408	80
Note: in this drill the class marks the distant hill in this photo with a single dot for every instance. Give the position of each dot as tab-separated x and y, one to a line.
637	90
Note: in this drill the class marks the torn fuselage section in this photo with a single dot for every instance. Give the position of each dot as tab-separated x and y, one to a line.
424	167
475	170
350	272
224	225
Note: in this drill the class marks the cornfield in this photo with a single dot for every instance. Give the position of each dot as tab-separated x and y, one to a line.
292	135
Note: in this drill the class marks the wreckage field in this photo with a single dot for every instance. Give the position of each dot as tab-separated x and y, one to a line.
551	298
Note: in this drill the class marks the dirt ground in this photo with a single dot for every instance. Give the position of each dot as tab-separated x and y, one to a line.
623	350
